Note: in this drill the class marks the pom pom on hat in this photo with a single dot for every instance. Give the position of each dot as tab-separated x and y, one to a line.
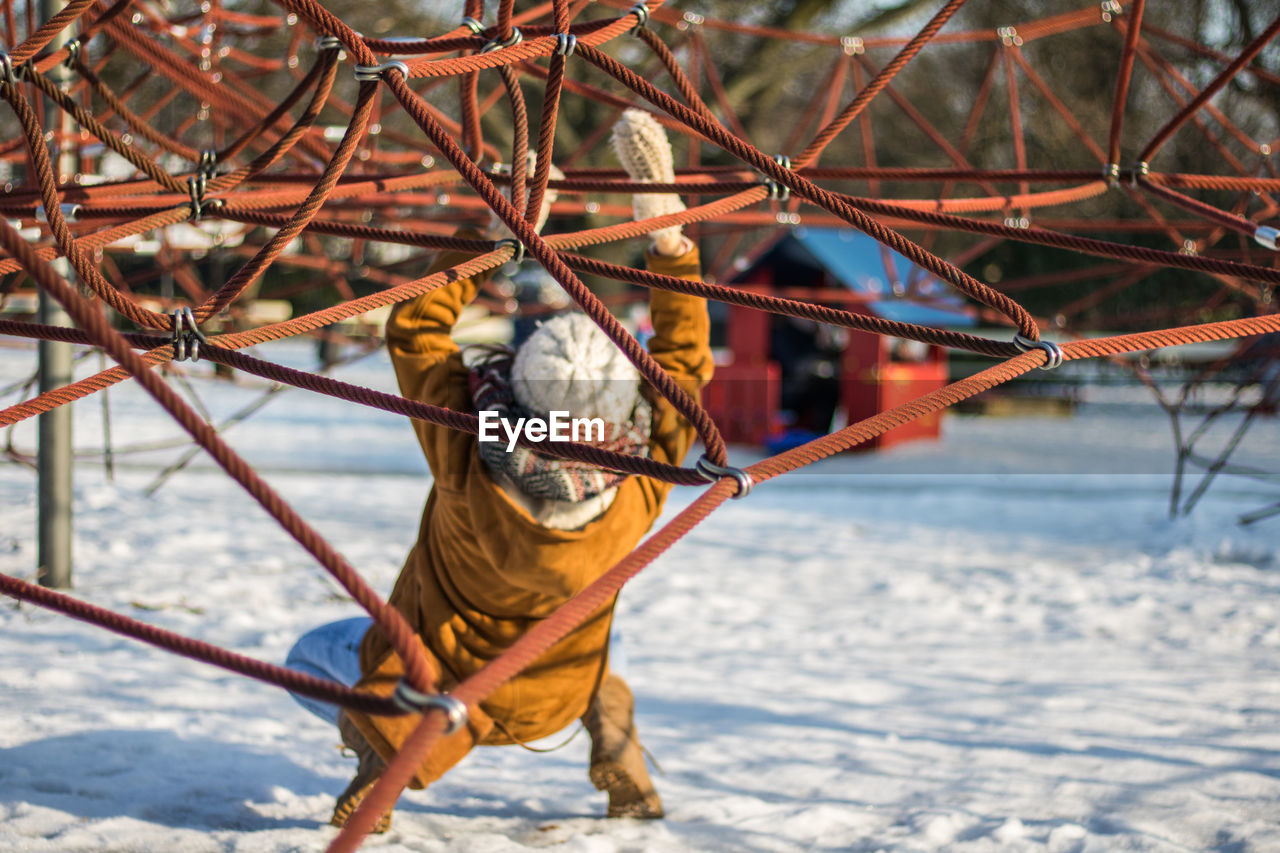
569	365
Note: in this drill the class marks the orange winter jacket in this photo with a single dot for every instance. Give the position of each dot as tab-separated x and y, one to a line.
483	572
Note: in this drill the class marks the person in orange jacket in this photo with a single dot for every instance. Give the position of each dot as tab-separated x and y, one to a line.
507	536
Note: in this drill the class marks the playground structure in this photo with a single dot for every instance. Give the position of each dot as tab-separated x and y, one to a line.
257	188
786	379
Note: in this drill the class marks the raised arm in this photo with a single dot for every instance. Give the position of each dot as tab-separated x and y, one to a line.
428	364
681	327
419	331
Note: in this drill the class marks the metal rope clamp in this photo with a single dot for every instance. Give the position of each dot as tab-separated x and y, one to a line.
416	702
208	165
566	44
186	336
1268	237
472	24
515	38
514	244
853	45
371	73
1025	344
713	473
777	191
1009	36
691	19
1140	170
641	11
73	52
70	212
8	74
195	186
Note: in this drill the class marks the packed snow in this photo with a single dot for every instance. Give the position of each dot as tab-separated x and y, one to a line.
999	641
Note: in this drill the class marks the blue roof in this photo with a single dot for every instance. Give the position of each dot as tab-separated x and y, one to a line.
856	260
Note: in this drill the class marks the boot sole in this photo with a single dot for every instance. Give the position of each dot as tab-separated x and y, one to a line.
347	804
626	798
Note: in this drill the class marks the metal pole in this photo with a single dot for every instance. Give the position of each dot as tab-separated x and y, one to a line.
54	460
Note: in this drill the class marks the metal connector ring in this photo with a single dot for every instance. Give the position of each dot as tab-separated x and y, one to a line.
370	73
566	44
515	244
777	191
186	337
1140	170
195	186
208	164
713	473
515	38
416	702
1054	351
70	212
1268	237
641	11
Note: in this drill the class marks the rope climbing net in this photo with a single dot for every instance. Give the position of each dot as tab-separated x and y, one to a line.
227	133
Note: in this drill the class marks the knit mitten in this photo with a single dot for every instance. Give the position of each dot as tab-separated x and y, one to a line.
642	147
498	230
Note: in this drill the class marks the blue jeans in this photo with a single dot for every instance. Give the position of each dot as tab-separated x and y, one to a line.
331	652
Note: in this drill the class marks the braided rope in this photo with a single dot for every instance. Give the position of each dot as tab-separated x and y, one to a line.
290	179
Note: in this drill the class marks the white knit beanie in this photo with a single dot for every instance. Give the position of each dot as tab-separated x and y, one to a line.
569	365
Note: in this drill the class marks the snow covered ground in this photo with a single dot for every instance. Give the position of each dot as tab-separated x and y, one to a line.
998	642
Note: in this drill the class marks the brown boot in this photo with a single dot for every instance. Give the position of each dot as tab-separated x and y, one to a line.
367	773
617	762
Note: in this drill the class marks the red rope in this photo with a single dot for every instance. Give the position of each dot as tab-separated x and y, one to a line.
859	103
1224	77
1133	26
300	186
95	324
292	680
